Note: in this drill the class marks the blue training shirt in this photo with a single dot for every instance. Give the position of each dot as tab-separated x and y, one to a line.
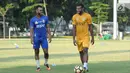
39	26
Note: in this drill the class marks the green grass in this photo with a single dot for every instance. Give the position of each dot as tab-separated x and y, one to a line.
104	57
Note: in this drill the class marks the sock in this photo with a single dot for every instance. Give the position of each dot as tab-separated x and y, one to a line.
46	61
85	65
37	63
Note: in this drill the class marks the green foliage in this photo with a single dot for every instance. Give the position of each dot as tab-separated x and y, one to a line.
3	10
30	8
122	19
101	11
29	1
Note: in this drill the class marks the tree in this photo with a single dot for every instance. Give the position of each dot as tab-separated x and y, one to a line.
30	8
123	20
101	13
65	8
21	19
3	11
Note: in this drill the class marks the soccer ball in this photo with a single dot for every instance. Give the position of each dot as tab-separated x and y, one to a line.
78	69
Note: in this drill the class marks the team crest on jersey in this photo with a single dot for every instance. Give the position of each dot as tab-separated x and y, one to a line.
43	21
77	18
83	19
36	22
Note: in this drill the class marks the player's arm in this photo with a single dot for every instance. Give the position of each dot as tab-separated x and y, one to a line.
31	35
74	34
31	30
74	30
89	21
91	32
49	32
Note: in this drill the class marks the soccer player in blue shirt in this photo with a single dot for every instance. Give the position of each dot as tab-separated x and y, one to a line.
39	31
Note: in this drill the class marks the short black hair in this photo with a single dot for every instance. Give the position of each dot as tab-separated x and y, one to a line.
80	4
38	6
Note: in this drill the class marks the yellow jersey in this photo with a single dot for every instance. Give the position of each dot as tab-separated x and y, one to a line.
82	23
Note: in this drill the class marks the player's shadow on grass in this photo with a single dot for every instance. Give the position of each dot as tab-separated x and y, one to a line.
7	49
2	49
56	56
101	67
109	52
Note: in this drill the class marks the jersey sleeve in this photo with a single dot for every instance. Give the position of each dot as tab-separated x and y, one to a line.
89	19
31	23
47	20
73	20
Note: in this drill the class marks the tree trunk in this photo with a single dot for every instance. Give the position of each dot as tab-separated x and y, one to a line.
45	7
56	26
4	27
27	21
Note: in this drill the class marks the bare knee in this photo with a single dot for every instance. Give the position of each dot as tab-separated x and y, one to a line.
36	54
46	55
85	50
81	52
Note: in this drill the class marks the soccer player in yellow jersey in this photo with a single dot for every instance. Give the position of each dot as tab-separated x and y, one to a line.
82	24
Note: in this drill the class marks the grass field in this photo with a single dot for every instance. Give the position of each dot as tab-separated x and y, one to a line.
105	57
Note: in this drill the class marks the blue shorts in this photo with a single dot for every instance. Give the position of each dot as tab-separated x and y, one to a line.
40	42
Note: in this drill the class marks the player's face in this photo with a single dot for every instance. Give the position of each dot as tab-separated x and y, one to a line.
39	11
79	9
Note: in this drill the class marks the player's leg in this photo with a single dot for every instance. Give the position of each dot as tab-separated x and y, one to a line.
80	49
81	56
85	57
46	57
37	59
46	54
36	47
85	51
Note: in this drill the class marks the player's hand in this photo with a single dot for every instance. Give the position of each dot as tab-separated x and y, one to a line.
74	42
92	41
31	40
49	39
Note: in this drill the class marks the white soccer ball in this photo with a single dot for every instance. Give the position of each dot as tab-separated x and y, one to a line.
78	69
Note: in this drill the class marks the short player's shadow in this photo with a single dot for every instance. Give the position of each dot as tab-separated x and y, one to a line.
6	49
101	67
62	57
16	58
11	48
109	52
52	56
